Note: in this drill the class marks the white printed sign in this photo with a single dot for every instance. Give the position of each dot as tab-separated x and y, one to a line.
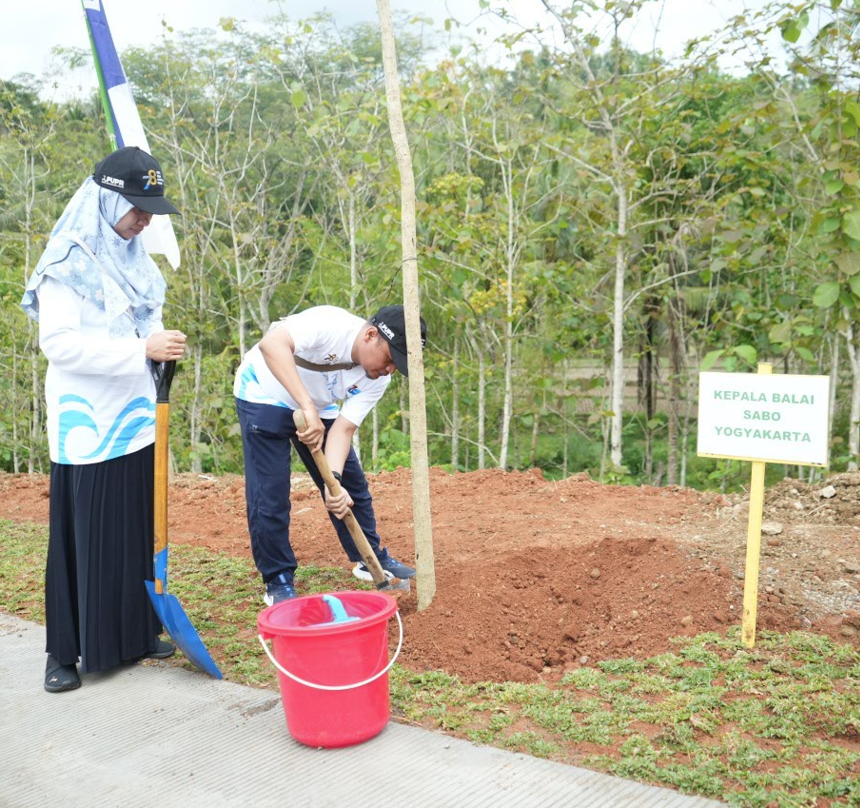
778	419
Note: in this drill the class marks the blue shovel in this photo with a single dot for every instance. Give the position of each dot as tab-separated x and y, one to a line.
167	607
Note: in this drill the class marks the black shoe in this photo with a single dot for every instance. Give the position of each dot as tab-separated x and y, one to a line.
60	677
390	566
163	650
278	589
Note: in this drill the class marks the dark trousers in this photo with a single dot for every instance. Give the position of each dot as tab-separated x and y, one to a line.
100	550
267	432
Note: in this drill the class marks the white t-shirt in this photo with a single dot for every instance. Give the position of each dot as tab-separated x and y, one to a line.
323	335
100	391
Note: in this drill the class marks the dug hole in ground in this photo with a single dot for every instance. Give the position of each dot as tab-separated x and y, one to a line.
535	578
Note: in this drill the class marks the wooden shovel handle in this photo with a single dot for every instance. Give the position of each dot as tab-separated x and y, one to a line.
163	378
361	543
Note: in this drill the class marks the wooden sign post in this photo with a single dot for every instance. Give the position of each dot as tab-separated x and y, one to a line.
765	419
751	570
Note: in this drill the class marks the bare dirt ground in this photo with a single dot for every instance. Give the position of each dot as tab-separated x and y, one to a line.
537	577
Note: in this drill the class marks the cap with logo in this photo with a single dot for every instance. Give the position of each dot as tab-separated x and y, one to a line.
390	321
135	175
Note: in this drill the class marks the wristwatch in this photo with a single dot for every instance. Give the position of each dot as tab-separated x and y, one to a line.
336	475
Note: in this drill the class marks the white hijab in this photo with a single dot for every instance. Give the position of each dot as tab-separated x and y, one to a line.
128	281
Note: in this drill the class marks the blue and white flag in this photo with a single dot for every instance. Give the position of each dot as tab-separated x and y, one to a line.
123	119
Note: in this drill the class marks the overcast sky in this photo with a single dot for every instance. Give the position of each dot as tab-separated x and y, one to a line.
31	28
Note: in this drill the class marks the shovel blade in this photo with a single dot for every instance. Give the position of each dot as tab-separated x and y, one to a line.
395	586
178	626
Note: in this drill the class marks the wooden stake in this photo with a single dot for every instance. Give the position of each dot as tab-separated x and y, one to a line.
751	572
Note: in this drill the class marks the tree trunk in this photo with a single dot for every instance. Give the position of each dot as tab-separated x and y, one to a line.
517	456
675	372
353	291
240	287
606	424
36	406
404	410
564	417
32	330
643	394
426	580
854	420
374	446
646	379
482	407
16	467
455	406
685	433
617	404
353	254
834	383
196	416
565	455
508	406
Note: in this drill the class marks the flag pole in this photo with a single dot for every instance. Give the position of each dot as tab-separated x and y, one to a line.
102	89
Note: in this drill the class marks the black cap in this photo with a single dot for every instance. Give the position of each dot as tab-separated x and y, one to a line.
391	324
135	175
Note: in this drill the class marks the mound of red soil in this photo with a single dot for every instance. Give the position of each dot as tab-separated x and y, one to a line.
535	577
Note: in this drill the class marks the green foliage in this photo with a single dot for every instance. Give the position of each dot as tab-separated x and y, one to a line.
742	239
394	450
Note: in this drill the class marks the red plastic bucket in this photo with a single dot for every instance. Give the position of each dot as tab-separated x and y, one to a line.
333	675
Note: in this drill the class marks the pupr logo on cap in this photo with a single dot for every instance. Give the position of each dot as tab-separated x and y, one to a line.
152	178
385	330
106	180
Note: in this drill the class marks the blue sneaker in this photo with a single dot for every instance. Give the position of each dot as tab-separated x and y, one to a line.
390	566
278	589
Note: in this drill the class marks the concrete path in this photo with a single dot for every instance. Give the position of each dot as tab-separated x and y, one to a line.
155	737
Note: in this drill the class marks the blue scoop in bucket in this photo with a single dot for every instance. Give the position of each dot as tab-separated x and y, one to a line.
338	611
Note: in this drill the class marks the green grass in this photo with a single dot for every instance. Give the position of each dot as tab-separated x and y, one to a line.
22	569
779	724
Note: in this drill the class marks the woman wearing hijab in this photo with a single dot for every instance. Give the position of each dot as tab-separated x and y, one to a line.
98	296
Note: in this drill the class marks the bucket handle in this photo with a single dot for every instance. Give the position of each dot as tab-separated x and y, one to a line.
337	687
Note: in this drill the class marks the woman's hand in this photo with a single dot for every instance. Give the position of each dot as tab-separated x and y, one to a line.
339	505
314	434
164	346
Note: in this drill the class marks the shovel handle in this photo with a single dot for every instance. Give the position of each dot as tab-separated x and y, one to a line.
163	378
367	555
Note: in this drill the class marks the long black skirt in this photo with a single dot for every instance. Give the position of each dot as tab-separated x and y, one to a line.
99	554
